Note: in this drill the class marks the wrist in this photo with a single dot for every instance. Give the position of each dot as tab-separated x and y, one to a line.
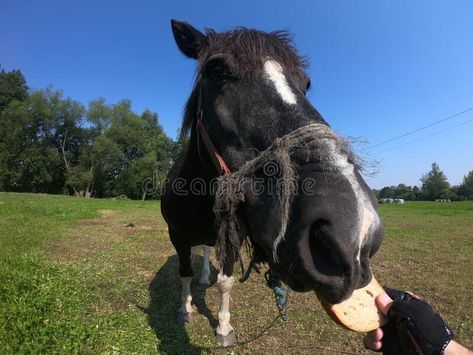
454	348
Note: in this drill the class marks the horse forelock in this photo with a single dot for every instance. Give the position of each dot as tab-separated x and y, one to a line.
248	49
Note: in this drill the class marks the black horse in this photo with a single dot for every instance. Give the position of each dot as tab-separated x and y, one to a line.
262	165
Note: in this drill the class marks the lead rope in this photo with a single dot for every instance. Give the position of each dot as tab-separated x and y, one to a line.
280	293
252	266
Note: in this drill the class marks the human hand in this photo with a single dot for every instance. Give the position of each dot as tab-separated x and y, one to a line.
413	326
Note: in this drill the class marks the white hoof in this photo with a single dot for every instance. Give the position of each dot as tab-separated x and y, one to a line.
226	340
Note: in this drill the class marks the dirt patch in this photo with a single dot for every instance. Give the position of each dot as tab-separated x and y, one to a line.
147	275
107	213
104	235
132	228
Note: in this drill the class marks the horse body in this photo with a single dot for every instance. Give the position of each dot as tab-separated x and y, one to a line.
250	93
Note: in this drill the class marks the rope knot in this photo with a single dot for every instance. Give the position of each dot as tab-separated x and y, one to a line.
230	190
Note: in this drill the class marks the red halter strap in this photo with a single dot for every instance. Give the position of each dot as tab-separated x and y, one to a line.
217	159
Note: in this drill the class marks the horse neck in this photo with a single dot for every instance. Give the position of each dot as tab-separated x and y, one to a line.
197	162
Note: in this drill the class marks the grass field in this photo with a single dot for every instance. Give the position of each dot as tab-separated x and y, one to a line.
76	277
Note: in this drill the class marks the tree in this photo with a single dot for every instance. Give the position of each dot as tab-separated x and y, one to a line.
98	115
127	149
138	172
29	160
399	191
69	137
435	184
466	187
13	93
417	193
387	192
406	192
51	144
12	87
108	164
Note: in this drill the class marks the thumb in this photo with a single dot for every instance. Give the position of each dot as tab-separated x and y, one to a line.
384	302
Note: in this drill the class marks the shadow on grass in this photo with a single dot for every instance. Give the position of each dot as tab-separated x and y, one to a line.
165	299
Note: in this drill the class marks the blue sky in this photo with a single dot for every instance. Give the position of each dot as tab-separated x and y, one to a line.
379	68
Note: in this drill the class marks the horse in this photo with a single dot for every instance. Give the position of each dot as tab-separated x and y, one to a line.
262	167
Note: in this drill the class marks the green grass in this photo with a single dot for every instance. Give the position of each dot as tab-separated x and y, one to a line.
74	278
63	284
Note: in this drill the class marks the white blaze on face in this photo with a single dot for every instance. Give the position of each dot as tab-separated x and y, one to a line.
368	218
275	74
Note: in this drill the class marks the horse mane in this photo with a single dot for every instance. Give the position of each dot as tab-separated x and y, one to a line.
247	50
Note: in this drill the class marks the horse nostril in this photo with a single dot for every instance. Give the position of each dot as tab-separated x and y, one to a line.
320	226
327	256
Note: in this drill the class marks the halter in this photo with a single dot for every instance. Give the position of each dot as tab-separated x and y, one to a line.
217	158
202	133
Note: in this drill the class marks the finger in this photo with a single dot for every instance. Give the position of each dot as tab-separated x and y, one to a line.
372	344
378	334
377	346
372	339
384	302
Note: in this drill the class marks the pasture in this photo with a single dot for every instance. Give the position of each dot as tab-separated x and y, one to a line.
100	276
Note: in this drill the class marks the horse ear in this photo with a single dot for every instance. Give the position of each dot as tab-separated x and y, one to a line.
188	39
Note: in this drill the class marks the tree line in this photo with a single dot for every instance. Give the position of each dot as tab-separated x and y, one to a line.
52	144
434	186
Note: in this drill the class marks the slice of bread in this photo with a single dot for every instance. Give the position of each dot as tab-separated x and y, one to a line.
359	312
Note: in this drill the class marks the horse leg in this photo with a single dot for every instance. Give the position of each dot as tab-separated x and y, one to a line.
184	315
204	279
225	333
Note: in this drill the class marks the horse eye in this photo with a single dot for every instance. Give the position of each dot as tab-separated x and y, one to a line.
307	85
217	69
